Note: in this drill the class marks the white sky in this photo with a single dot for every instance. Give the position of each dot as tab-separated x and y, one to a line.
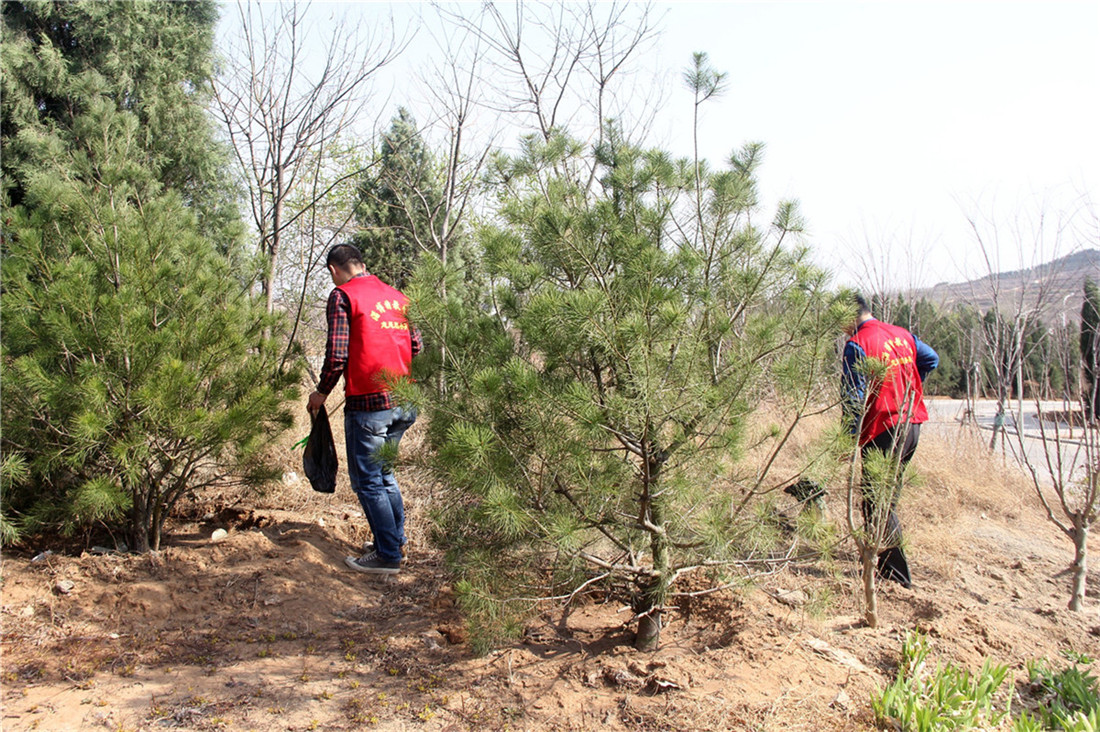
888	121
895	119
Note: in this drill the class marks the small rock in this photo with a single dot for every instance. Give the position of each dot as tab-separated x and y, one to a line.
997	575
983	517
27	611
622	677
792	598
660	685
321	522
455	634
432	639
1016	594
219	535
841	701
113	636
65	586
290	478
837	656
41	556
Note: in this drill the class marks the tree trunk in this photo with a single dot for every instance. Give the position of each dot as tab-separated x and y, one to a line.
139	533
648	605
654	593
273	245
1020	380
142	523
868	556
442	378
156	526
1094	403
998	422
1080	565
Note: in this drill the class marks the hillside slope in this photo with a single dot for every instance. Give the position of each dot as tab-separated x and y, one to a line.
1056	285
266	630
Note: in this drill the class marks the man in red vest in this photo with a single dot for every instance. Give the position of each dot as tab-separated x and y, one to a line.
370	343
886	413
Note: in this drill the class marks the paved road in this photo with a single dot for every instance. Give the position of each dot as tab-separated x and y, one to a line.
946	416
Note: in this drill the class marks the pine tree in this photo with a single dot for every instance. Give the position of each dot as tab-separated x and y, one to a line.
134	364
153	60
1090	348
400	205
603	382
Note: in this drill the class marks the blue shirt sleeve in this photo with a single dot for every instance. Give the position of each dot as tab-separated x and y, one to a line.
853	384
927	358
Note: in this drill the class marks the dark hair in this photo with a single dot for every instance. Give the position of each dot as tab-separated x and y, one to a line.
861	305
342	255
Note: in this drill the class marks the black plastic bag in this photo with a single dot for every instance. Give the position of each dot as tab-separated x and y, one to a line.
319	458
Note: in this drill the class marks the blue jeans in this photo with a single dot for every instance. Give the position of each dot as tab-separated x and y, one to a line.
372	476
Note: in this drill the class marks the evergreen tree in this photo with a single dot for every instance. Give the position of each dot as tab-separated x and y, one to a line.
1090	348
133	360
153	60
400	205
134	366
602	383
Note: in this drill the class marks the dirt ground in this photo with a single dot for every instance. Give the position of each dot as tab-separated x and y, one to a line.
266	630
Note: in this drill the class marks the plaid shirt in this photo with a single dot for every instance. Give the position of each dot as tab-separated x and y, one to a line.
338	312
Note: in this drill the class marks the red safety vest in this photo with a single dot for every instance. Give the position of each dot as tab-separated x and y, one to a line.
888	402
380	348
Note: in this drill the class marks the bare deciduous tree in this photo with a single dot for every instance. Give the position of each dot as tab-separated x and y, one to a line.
285	97
887	263
556	65
1065	470
541	64
325	220
1066	477
1011	302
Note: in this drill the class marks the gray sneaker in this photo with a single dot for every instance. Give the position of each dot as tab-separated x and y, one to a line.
368	547
371	563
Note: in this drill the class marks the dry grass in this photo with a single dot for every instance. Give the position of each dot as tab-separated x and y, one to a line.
956	470
955	479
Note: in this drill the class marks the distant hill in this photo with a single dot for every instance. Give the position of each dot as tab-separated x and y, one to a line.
1058	284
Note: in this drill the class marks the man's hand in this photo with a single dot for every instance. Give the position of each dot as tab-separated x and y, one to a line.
316	401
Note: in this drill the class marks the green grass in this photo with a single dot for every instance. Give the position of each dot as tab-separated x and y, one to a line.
1067	699
924	698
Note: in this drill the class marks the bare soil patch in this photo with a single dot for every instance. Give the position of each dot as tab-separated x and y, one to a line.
267	630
